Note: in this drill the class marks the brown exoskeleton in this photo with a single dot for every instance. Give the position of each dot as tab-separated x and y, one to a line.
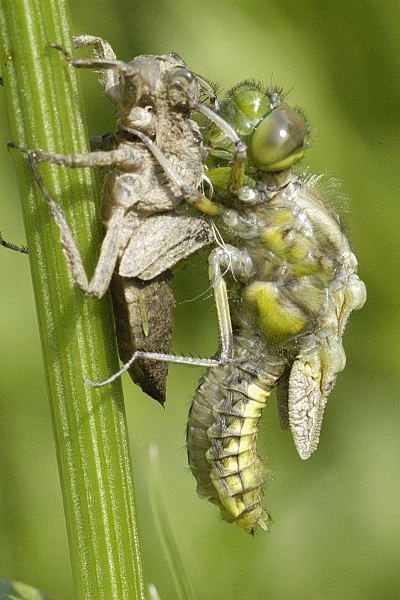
148	226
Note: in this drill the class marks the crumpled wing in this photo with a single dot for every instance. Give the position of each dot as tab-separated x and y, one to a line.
161	241
312	377
315	368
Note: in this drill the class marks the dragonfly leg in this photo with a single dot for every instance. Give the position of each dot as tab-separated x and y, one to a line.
99	283
169	358
190	194
240	155
100	158
239	263
12	246
104	51
217	258
106	62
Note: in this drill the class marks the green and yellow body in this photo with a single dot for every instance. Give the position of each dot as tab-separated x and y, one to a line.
293	286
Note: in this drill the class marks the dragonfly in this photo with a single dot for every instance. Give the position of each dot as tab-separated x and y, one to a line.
284	276
292	286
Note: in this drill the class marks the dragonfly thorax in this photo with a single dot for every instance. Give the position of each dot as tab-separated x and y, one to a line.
298	251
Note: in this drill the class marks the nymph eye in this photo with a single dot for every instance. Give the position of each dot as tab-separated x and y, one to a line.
279	140
180	86
181	77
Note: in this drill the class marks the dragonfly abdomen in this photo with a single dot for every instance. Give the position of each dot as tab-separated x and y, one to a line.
222	435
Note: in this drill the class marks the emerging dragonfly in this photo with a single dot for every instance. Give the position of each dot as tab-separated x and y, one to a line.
292	286
292	283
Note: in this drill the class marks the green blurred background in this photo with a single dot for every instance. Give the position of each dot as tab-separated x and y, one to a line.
336	517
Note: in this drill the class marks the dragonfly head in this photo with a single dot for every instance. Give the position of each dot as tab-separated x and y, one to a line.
279	140
275	133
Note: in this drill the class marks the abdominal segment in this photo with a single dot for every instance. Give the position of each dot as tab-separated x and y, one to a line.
222	435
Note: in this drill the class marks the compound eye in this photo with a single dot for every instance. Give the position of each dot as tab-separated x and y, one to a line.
279	140
180	85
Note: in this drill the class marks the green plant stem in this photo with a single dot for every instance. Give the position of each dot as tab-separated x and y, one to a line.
77	333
